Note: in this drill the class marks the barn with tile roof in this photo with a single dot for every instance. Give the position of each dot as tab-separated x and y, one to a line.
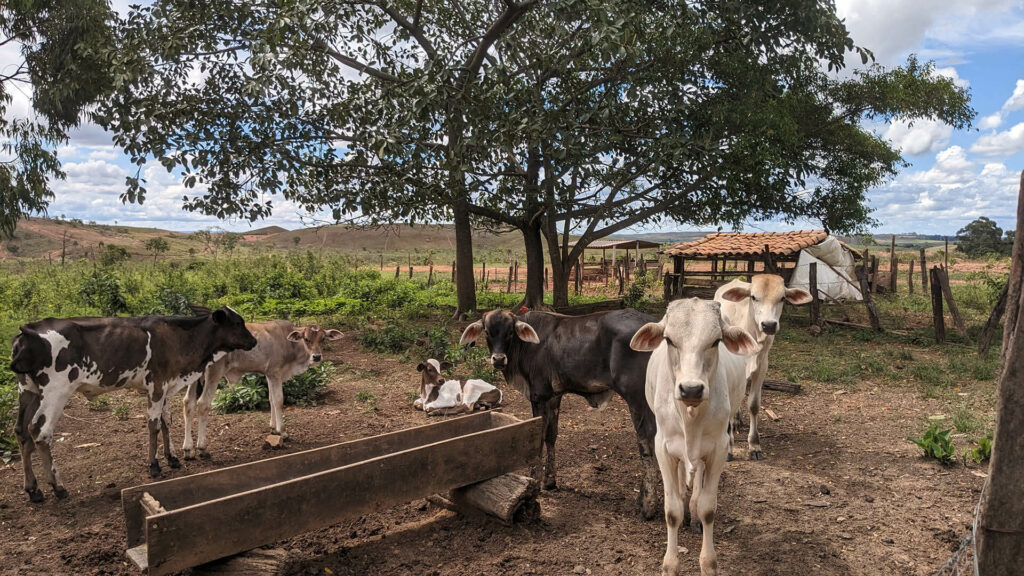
700	266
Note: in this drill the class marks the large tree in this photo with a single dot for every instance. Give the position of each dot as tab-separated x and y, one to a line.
63	69
559	118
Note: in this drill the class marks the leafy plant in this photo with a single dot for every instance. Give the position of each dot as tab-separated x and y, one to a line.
936	444
252	394
122	411
984	450
8	406
113	254
637	294
102	290
391	338
99	403
367	399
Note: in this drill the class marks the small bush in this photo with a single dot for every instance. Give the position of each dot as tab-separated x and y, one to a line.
113	254
102	290
99	403
391	338
984	450
8	407
637	294
122	411
252	394
936	444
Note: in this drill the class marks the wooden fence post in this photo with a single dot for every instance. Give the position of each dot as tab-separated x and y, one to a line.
398	272
546	287
382	262
910	278
924	273
862	276
1000	547
812	276
508	287
937	318
985	338
750	270
946	254
430	276
769	264
894	265
958	320
874	274
483	272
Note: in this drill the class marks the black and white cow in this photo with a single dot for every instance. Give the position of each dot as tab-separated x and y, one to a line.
546	355
56	357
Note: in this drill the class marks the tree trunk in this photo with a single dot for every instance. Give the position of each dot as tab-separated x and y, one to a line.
534	297
465	284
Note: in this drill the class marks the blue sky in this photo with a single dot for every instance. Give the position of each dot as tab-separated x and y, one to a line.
954	176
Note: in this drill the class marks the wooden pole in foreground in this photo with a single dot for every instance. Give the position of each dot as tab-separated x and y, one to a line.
924	272
1000	544
910	278
985	338
937	319
958	320
865	292
894	264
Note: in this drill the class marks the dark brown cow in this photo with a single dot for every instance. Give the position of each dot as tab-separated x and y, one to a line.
160	355
546	355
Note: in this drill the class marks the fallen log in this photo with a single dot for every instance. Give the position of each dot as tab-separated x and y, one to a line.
783	386
270	562
509	498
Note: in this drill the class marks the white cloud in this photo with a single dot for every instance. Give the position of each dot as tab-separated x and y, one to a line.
1016	100
951	73
1005	143
924	137
991	121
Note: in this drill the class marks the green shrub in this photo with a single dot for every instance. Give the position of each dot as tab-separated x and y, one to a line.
936	444
391	338
252	394
8	407
102	290
113	254
636	295
122	411
984	450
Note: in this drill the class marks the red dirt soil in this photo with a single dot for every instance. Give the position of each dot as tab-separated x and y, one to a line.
887	510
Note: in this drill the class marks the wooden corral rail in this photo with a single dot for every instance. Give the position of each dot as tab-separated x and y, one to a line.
223	512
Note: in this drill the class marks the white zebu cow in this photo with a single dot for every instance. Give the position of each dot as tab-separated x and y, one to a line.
697	359
756	307
441	397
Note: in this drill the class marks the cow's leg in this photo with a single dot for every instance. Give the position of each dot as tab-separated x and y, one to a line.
730	430
551	409
28	404
645	426
707	504
165	429
191	396
155	415
51	406
693	472
754	403
204	405
275	387
674	507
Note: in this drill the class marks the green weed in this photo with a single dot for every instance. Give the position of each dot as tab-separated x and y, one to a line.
252	394
983	452
966	421
122	411
367	400
99	403
936	444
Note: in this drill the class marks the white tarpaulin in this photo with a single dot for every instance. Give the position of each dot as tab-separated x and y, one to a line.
836	276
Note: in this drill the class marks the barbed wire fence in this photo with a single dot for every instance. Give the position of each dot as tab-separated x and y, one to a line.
964	561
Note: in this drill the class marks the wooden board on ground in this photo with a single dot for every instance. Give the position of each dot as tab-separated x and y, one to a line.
783	386
223	512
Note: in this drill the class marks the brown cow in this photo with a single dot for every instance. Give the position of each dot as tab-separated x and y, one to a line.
282	352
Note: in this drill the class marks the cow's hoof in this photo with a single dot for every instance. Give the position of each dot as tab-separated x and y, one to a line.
154	470
60	492
204	454
729	457
670	567
188	454
173	462
35	495
756	454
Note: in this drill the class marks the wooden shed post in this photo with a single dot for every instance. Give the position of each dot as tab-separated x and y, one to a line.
812	277
750	270
769	265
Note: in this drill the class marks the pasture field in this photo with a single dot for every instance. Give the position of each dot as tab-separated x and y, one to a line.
843	490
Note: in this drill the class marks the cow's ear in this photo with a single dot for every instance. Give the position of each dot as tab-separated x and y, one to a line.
333	335
526	332
797	296
446	365
737	341
472	332
737	293
648	337
296	336
421	367
199	310
220	316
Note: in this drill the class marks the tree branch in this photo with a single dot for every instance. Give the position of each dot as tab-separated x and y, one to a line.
353	63
411	27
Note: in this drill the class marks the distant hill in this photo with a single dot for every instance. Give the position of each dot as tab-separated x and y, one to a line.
265	231
663	237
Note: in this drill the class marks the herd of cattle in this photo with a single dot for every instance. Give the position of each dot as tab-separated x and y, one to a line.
683	378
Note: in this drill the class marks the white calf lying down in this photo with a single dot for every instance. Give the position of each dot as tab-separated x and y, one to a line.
441	397
697	358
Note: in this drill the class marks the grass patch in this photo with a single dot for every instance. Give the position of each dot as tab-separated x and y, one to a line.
966	421
367	401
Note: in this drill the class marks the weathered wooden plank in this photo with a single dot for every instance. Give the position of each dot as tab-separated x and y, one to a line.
188	490
196	534
138	557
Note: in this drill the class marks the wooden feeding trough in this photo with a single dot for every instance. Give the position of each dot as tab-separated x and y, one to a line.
181	523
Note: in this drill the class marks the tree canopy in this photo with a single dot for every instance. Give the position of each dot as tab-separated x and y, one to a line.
983	237
565	117
63	45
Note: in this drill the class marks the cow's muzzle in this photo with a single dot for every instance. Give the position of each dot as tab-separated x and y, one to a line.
691	393
498	360
317	357
770	327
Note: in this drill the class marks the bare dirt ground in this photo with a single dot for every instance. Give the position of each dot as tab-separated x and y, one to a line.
842	491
